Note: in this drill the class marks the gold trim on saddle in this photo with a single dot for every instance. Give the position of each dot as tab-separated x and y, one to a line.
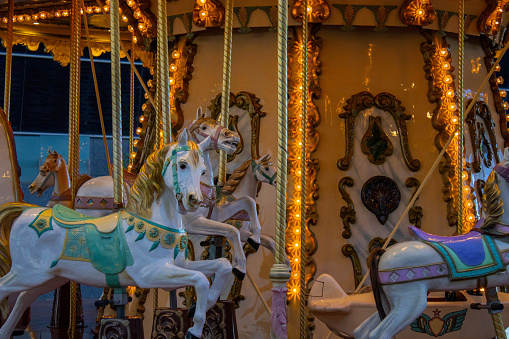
160	235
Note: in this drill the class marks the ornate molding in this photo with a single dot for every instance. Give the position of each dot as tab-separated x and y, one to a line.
482	149
348	251
208	13
378	242
381	196
415	214
375	142
490	20
294	149
347	213
318	11
348	12
490	48
386	102
417	13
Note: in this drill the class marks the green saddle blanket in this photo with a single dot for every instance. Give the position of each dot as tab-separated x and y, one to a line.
100	241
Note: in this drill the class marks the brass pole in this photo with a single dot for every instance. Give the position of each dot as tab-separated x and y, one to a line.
461	51
163	75
225	96
131	110
303	159
8	60
116	104
279	273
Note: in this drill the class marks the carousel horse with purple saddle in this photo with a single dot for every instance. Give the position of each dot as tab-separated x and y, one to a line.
144	245
403	274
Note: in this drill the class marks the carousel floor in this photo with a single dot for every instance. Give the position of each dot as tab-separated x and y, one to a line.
40	316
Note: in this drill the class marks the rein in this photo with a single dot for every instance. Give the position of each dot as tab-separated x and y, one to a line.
172	160
256	167
214	138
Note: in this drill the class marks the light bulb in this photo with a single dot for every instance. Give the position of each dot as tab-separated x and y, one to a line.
503	93
175	54
469	204
443	52
466	189
448	79
505	105
446	65
498	68
500	80
449	94
452	107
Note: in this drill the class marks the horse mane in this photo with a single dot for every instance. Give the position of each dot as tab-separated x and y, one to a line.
237	175
148	186
493	205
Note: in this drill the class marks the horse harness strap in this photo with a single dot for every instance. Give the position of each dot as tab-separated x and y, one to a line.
214	138
64	196
257	167
208	193
503	171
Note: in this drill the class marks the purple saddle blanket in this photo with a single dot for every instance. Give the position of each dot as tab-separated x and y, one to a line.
468	247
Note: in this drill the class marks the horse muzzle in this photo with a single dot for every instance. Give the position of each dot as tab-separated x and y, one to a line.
189	204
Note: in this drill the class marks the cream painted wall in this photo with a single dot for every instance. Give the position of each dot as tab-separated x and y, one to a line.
361	60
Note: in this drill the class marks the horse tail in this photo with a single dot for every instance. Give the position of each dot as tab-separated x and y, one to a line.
8	213
374	260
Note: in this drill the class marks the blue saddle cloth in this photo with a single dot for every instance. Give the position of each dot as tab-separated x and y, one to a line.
467	256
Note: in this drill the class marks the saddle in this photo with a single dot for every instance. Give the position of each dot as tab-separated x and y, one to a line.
467	256
68	218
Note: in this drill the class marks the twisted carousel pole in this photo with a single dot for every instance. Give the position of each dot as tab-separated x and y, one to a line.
279	273
163	75
225	94
461	52
303	157
8	59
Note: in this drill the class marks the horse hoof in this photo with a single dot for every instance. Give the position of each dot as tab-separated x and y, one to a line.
191	311
189	335
255	245
236	272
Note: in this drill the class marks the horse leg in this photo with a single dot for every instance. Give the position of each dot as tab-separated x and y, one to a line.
248	204
24	300
205	226
220	268
407	301
364	329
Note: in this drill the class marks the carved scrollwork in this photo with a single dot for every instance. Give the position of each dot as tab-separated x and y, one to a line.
381	196
347	213
379	243
318	11
482	148
170	324
490	20
348	251
417	13
386	102
208	14
415	214
121	328
375	143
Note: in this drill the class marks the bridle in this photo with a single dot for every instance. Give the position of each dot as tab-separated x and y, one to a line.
257	167
214	138
172	160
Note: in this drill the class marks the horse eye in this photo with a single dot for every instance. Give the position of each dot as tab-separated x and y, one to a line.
266	169
183	166
204	128
203	172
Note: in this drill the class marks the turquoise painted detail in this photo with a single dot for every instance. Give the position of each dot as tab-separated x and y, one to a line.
42	222
459	270
141	236
54	263
169	229
451	322
112	280
172	160
129	229
68	215
154	246
76	244
169	239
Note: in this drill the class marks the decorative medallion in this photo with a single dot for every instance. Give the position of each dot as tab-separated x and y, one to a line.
42	222
437	326
386	102
417	13
208	13
347	213
482	135
381	196
318	11
375	143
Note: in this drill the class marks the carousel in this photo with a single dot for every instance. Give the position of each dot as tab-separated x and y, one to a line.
302	169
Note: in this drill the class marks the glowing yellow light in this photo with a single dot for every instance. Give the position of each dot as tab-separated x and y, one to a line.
81	11
443	52
449	94
43	15
172	81
5	20
124	18
133	155
143	107
138	130
466	189
203	13
500	80
141	26
90	10
310	9
97	9
446	65
57	14
106	8
505	105
130	3
65	13
299	173
137	14
296	230
36	23
175	54
129	167
448	79
146	96
454	120
20	18
419	12
296	244
142	117
503	93
295	290
464	175
297	201
497	68
149	83
469	204
173	67
470	218
135	143
135	39
452	107
296	259
203	2
297	188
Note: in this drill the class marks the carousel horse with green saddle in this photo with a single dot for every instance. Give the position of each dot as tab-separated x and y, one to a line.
145	245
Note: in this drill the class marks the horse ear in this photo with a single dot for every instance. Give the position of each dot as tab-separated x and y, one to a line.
207	114
55	153
49	152
182	141
199	113
506	154
204	145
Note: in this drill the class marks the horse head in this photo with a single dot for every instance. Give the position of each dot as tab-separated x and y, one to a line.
46	179
221	138
264	171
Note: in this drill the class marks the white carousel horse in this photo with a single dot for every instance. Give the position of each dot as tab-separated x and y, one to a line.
402	276
144	246
209	220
